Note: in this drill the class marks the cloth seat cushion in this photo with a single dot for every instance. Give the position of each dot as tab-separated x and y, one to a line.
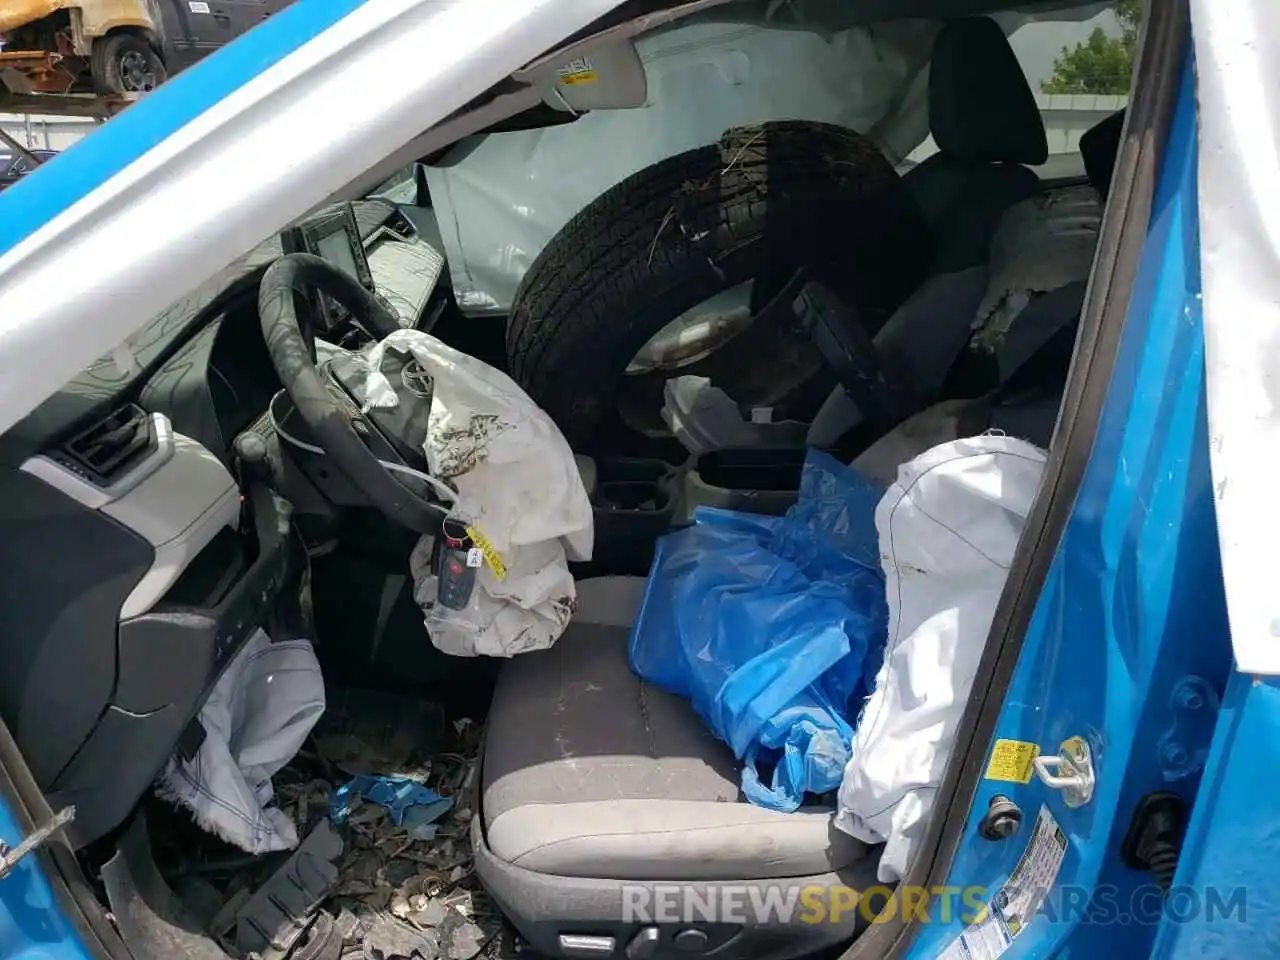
588	772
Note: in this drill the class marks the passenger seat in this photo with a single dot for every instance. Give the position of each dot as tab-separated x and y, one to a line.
988	131
987	128
603	800
1026	326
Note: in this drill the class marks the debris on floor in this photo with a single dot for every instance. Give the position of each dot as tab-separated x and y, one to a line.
281	911
385	871
404	799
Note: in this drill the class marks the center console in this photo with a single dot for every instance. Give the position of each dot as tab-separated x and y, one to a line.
636	500
333	236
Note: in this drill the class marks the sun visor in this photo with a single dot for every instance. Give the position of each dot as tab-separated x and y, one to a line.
608	78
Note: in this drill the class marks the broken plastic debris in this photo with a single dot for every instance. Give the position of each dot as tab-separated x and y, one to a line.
389	872
465	942
280	912
348	925
430	914
322	940
367	733
460	938
397	794
420	819
386	938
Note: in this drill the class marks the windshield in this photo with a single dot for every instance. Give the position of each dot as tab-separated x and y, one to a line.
400	188
499	199
156	338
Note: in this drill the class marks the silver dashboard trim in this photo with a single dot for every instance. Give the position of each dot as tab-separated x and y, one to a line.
90	494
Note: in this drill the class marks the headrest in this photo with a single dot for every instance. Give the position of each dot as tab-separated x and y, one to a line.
1099	147
981	108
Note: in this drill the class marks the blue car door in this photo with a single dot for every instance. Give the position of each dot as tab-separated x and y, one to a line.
38	920
1070	844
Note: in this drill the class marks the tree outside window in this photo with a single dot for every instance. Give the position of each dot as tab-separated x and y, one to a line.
1102	64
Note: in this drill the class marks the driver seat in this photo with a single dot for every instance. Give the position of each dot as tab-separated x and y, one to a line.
601	796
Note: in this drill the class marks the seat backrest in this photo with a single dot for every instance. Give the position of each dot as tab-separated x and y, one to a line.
1040	262
1025	306
1099	146
1042	244
981	107
1029	355
987	126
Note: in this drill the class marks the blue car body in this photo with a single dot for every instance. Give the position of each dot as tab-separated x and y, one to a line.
1132	614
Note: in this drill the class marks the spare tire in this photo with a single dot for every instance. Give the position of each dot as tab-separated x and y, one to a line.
765	201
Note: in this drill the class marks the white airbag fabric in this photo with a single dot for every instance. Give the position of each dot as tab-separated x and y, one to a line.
948	528
501	199
517	482
255	721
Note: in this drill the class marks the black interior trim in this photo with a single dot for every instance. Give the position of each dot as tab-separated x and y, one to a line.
237	284
1157	75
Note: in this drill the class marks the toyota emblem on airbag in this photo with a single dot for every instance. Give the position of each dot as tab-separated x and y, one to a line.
416	379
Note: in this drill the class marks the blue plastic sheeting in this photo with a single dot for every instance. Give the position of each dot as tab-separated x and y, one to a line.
400	795
774	627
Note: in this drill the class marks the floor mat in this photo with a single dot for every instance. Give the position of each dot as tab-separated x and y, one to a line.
401	890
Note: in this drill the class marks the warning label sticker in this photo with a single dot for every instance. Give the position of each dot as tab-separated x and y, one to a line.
1012	761
1032	879
1015	903
491	555
577	71
984	940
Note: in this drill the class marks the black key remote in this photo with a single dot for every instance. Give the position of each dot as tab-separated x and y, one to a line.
456	566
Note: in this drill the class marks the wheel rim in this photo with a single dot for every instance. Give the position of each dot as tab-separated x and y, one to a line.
696	333
747	350
137	74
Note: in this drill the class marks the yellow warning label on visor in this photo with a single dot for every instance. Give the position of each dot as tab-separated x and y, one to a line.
491	555
576	72
1012	760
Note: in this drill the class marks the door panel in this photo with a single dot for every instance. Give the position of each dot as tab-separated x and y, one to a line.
216	28
199	27
1128	647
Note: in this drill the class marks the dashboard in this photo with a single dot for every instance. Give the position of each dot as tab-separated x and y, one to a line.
219	381
203	362
136	566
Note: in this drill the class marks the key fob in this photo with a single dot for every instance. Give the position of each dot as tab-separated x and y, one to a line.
456	568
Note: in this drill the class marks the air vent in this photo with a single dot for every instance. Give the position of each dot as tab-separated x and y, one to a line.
108	449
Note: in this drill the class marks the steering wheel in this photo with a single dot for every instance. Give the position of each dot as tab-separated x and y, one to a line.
851	354
333	418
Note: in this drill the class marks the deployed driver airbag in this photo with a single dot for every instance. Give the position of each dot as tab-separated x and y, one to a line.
518	485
